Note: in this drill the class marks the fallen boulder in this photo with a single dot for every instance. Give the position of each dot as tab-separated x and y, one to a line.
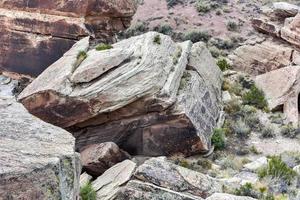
162	173
97	158
157	98
281	88
34	34
37	160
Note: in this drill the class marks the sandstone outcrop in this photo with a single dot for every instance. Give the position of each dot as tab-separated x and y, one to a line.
280	47
37	160
282	89
97	158
263	57
34	34
158	97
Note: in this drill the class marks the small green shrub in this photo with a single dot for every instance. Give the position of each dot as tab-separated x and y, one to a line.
232	107
254	150
203	7
87	192
267	132
102	47
289	131
136	29
218	139
241	129
81	55
164	29
277	169
246	190
232	26
256	98
205	164
253	121
197	36
223	64
157	39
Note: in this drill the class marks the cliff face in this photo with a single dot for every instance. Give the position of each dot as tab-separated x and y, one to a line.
34	34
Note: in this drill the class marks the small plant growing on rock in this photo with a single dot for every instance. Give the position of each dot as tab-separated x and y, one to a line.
218	139
223	64
277	169
102	47
81	55
177	55
87	192
157	39
255	97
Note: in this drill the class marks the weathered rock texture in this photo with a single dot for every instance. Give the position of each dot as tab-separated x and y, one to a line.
282	89
157	98
281	48
223	196
34	34
37	160
160	172
97	158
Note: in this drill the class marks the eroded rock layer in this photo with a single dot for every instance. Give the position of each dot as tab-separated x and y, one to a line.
158	97
34	34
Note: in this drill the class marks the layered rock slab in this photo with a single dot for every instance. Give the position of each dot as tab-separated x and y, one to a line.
158	99
35	34
37	160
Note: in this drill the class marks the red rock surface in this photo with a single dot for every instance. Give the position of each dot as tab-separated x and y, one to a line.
34	34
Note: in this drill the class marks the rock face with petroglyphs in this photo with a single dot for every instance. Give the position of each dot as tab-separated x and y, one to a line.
157	97
34	34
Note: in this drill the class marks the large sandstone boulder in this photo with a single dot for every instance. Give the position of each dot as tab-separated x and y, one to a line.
282	88
97	158
37	160
158	97
34	34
